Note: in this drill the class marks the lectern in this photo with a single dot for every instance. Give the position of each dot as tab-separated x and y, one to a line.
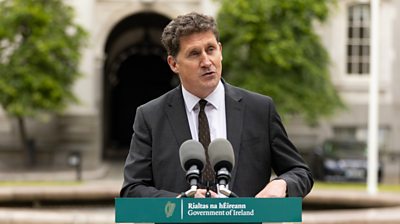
216	210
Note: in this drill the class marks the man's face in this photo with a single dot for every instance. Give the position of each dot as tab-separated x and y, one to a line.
198	63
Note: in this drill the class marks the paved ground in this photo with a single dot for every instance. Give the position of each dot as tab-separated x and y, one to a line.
104	184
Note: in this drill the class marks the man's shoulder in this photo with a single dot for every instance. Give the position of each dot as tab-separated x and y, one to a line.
241	93
162	100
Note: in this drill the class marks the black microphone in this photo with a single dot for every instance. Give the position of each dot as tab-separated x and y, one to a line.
192	158
222	160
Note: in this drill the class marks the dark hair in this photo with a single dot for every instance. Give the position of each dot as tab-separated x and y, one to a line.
185	25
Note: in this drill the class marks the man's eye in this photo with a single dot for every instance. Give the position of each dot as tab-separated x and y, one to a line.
194	53
211	49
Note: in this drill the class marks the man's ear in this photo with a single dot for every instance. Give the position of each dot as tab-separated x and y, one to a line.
172	64
220	48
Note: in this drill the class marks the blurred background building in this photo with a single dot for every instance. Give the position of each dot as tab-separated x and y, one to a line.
125	66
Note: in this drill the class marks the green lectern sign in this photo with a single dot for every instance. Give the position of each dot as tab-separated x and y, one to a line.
192	210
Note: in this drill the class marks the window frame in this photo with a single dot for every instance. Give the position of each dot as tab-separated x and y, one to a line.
358	29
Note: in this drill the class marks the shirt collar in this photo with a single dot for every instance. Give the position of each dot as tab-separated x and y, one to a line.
216	97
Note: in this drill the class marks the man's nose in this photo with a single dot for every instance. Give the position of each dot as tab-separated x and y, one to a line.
205	60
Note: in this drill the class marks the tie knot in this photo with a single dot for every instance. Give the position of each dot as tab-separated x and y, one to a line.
202	104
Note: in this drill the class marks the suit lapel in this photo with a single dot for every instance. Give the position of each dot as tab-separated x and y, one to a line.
234	123
176	115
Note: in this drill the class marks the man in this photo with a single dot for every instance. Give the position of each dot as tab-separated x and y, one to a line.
248	120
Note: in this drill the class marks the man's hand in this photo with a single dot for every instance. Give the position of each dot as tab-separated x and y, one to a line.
274	189
200	193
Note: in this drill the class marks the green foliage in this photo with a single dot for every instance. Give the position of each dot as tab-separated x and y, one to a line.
270	46
39	56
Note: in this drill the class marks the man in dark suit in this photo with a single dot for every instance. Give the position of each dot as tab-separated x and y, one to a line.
248	120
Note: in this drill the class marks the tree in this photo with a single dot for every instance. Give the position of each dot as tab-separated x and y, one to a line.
270	46
39	57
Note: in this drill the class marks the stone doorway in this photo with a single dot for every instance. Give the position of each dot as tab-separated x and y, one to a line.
135	72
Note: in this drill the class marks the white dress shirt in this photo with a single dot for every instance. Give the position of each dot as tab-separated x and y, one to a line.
215	111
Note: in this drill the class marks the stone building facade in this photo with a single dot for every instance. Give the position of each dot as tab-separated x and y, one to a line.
124	66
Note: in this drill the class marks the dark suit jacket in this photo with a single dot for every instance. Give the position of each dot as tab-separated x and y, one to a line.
254	128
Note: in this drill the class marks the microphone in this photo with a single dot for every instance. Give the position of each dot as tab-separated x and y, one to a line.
222	160
193	158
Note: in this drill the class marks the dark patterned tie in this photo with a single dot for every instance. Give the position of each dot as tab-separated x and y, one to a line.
204	138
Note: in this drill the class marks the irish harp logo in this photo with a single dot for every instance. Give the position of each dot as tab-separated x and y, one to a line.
169	209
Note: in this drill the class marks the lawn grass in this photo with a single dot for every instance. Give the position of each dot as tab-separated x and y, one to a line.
354	186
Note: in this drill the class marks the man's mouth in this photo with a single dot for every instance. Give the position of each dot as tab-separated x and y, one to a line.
208	73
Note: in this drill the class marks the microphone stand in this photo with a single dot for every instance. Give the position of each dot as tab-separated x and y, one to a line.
208	193
225	191
223	177
192	177
189	193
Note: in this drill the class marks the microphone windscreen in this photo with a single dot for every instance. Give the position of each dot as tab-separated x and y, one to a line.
221	154
192	153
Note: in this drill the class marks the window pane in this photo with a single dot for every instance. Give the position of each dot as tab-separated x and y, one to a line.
365	50
350	32
360	50
362	32
367	31
349	68
356	50
360	68
365	68
349	51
